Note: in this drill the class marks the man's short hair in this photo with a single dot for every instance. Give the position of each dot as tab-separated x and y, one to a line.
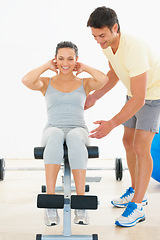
103	17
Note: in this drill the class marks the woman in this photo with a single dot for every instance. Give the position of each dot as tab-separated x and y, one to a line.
65	96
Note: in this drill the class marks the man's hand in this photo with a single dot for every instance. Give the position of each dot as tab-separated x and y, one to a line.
90	101
103	130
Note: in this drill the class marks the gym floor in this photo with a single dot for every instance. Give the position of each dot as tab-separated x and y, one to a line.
20	218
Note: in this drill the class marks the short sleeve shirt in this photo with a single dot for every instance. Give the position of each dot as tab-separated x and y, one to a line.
134	57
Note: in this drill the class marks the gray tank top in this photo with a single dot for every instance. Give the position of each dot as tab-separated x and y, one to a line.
65	110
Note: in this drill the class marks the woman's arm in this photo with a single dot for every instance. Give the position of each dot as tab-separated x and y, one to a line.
33	80
97	81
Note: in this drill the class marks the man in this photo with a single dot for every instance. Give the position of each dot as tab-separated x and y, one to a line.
133	63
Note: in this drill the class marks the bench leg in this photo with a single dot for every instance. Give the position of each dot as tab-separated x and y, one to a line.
67	201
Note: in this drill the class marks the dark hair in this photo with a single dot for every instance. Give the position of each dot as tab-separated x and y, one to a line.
67	44
103	17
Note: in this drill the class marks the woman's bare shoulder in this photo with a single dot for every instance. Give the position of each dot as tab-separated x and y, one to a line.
45	81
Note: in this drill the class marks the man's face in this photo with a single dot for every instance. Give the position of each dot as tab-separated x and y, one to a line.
104	36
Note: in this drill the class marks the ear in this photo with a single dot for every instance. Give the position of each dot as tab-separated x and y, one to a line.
115	28
77	59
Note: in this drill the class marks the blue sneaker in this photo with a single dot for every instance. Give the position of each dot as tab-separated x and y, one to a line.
130	216
126	198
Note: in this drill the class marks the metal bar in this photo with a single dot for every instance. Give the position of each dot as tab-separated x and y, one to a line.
23	168
73	237
67	200
61	188
42	168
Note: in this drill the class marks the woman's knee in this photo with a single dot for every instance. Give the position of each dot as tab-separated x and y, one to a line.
76	144
53	134
77	136
77	151
53	141
72	140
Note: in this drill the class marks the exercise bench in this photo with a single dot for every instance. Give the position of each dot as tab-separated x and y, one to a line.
67	201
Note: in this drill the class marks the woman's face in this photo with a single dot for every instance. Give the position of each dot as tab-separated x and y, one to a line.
66	60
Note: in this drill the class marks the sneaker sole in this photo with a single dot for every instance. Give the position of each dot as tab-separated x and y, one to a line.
51	224
119	205
81	222
144	203
130	224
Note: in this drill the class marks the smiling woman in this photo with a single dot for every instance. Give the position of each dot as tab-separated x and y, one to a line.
65	96
27	42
